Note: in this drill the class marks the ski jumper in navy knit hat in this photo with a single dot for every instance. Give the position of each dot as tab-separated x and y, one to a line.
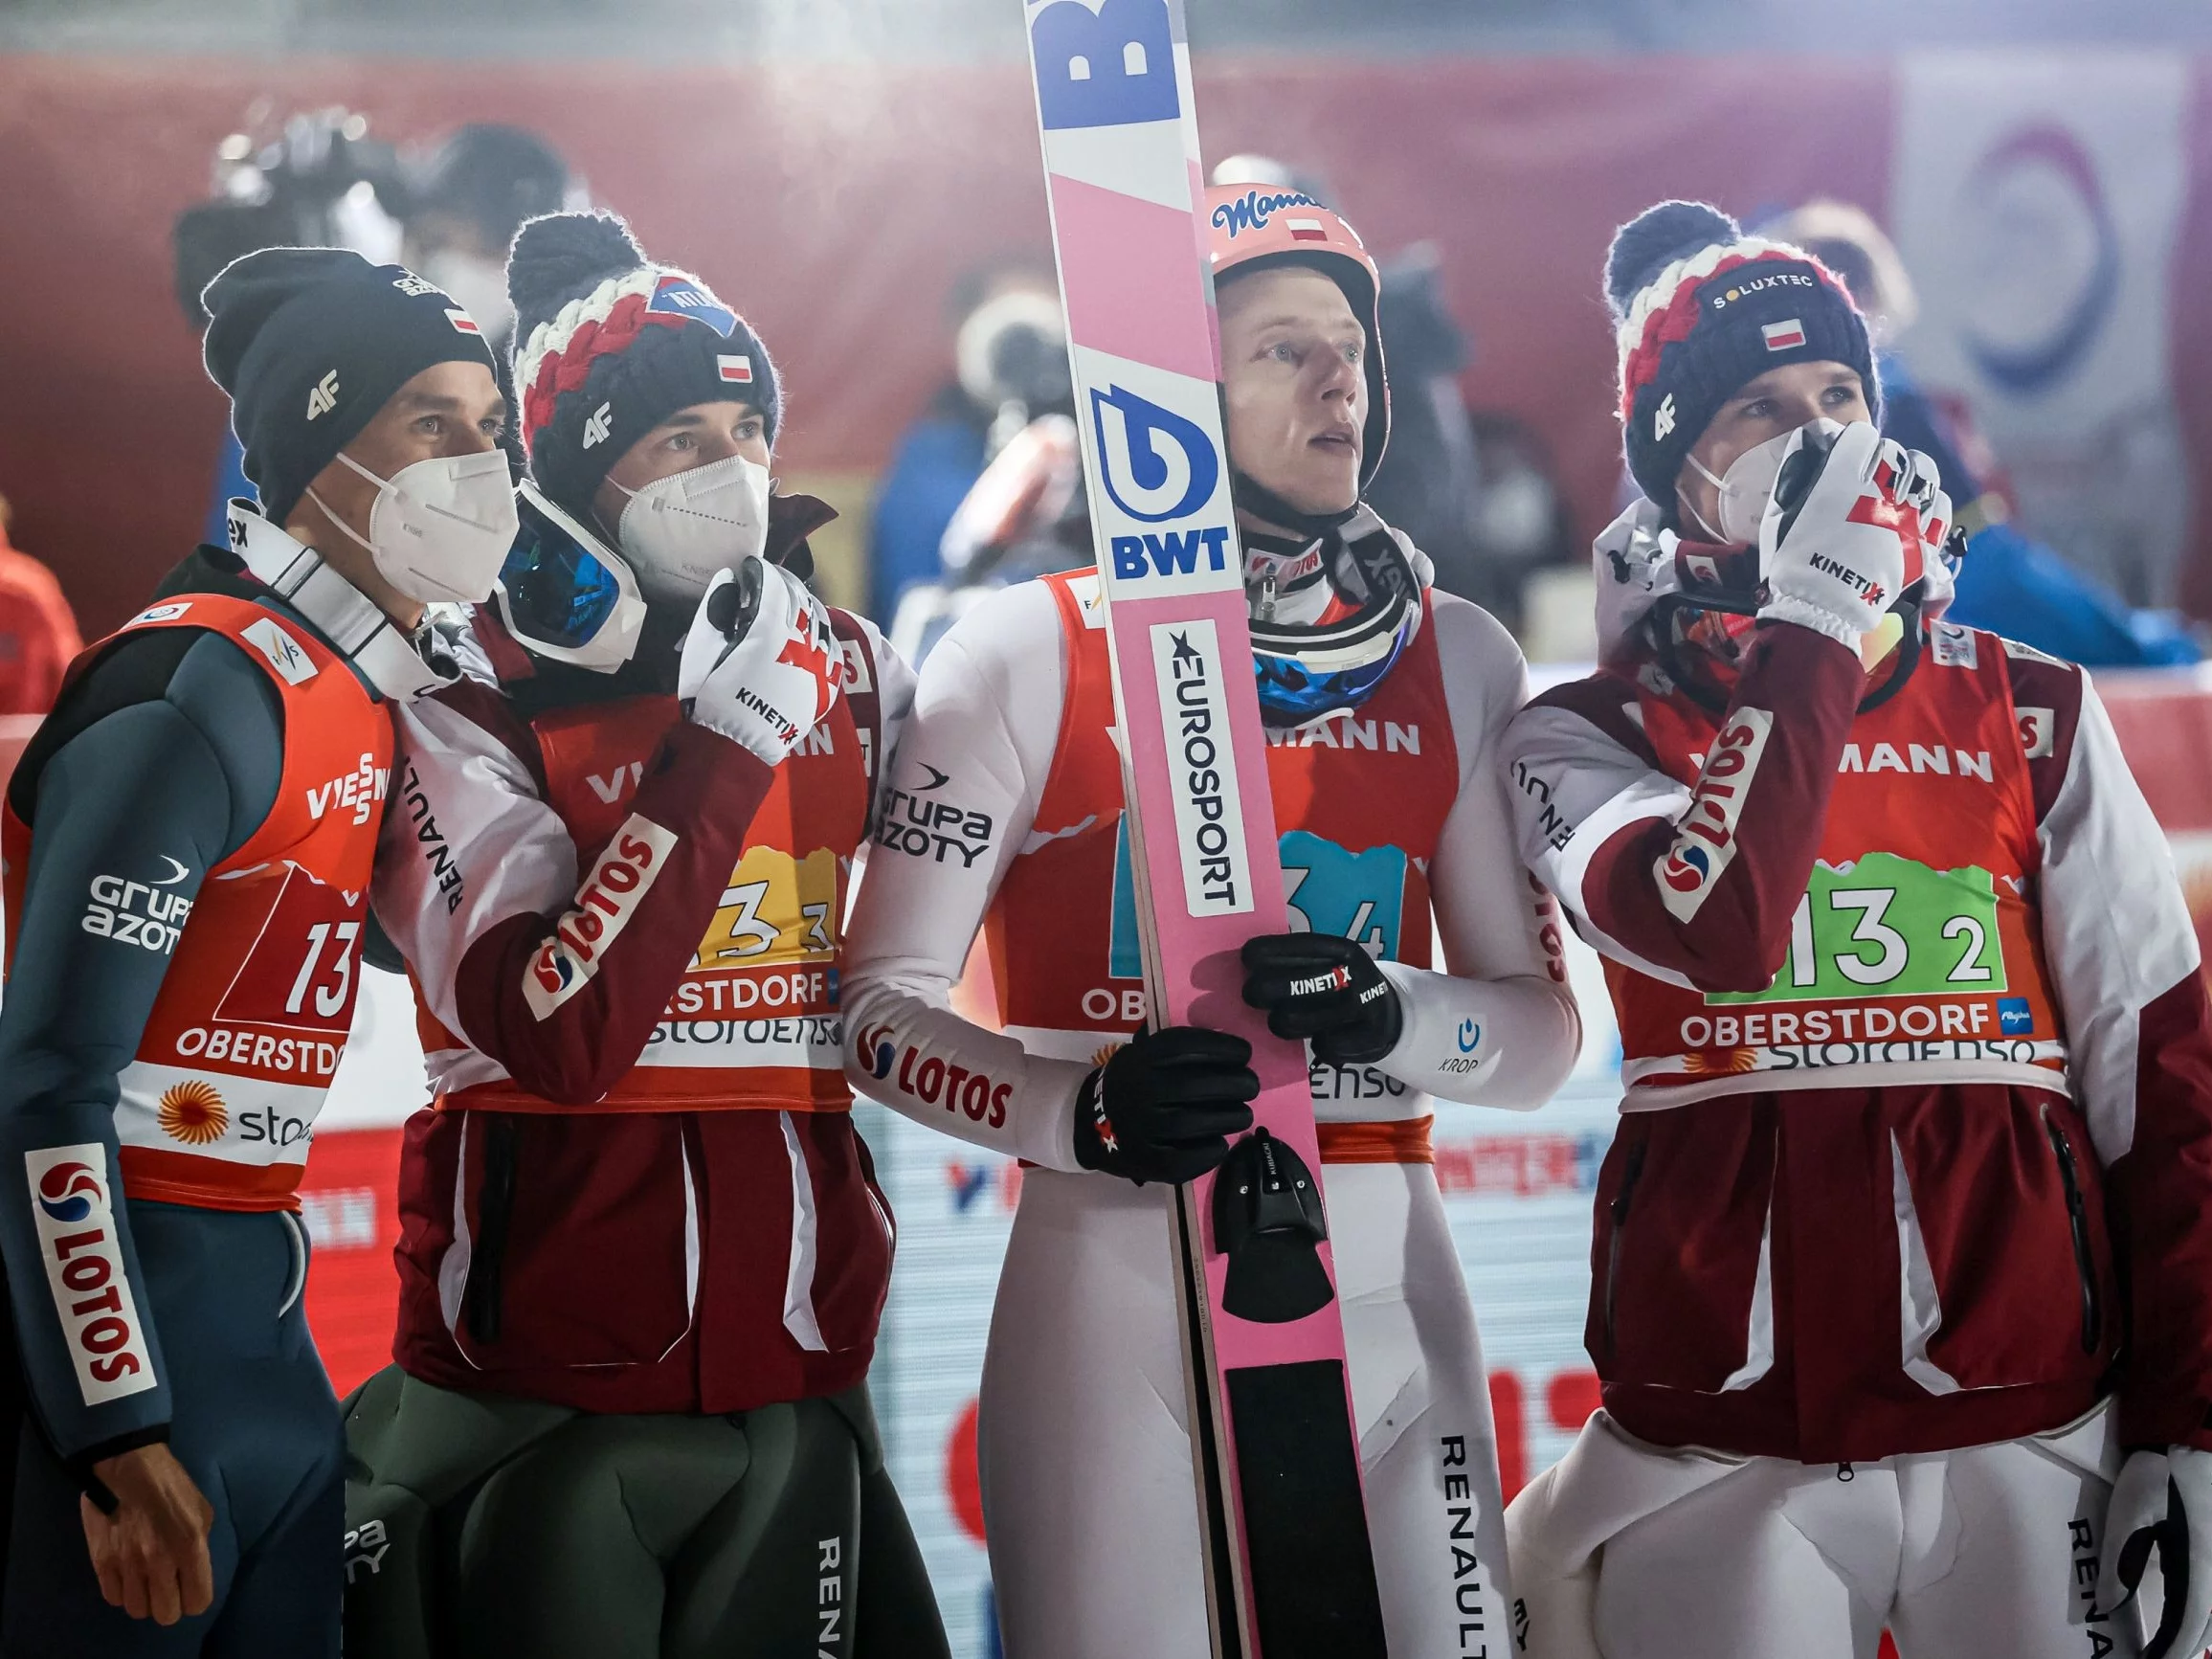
310	343
1701	310
609	346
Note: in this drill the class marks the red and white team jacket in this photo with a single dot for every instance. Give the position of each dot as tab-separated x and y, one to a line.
1918	1060
638	1188
1006	799
217	1108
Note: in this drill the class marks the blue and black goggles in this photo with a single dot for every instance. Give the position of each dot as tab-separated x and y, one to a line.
1305	673
563	593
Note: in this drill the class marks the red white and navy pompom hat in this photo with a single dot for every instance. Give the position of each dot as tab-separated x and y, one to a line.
1701	309
608	345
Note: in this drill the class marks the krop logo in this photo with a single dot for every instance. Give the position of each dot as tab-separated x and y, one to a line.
68	1191
1155	464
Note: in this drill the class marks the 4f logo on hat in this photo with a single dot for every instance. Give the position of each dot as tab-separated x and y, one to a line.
324	397
1663	419
602	422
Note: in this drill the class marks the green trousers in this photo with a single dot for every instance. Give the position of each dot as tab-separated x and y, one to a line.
500	1528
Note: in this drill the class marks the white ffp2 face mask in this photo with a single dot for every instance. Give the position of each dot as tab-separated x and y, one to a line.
682	530
440	529
1746	486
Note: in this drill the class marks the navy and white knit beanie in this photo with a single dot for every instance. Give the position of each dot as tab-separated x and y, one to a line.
1700	309
608	346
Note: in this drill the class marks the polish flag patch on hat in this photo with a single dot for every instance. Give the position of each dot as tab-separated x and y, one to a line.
463	322
1786	335
1306	231
736	369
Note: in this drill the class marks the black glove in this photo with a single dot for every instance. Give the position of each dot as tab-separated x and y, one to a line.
1163	1108
1325	987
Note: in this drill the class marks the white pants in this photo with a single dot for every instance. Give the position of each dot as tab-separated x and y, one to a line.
1089	1495
1629	1550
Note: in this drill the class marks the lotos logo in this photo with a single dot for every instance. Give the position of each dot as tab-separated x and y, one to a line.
929	1078
85	1272
1155	464
1705	834
877	1051
1251	211
1685	868
67	1192
608	898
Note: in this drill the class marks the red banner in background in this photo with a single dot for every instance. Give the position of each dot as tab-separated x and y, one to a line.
837	204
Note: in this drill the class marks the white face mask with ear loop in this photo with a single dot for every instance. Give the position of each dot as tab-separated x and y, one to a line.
1746	486
440	529
683	531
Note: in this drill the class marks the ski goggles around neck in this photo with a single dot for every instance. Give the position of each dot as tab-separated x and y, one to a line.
564	594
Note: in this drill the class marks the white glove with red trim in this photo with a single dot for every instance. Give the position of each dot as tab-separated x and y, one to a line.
760	664
1840	541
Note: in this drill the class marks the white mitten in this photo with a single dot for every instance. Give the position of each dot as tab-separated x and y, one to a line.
2163	1500
1839	542
760	664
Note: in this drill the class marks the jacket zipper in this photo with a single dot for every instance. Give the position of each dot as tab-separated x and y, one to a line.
1631	1172
2078	1218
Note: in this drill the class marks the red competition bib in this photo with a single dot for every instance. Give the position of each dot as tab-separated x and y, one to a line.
218	1106
1916	952
1360	802
754	1024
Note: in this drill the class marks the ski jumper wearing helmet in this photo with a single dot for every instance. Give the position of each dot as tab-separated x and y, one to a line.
1916	1048
1005	818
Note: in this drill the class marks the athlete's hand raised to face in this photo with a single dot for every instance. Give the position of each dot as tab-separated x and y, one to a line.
760	664
151	1553
1841	537
1163	1108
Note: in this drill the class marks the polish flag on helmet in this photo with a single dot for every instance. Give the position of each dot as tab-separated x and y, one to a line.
1786	335
1306	231
736	369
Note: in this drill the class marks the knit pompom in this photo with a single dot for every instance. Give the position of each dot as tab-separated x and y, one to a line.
1654	239
564	257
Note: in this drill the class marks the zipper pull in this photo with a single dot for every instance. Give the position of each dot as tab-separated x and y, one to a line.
1844	1471
1267	596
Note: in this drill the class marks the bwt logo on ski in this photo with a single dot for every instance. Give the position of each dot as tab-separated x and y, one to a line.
357	791
1705	841
1104	66
1157	467
85	1272
1201	771
609	896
